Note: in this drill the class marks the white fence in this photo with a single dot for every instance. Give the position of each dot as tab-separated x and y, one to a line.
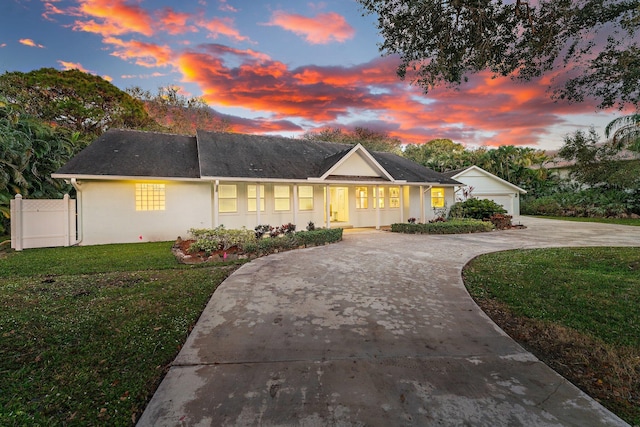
42	223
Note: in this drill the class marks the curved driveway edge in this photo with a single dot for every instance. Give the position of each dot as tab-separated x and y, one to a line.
377	330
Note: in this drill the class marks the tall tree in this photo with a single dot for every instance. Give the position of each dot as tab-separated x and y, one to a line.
625	132
370	139
72	99
596	164
177	113
442	155
30	150
443	42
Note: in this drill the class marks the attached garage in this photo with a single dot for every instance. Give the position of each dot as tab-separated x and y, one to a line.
485	185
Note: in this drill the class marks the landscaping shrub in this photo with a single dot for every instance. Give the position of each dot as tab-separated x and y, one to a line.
214	239
500	221
476	208
264	240
456	226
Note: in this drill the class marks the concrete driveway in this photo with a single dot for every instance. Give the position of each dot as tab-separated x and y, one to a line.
377	330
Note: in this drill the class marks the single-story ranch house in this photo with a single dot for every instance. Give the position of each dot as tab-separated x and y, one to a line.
144	186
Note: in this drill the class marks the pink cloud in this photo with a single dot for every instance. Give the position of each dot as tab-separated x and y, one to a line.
176	22
322	29
222	27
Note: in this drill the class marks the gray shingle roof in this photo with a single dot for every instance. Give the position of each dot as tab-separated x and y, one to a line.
220	155
120	152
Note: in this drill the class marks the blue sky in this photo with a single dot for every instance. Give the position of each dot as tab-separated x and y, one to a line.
282	67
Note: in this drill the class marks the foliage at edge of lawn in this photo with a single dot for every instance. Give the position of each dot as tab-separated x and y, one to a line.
455	226
575	309
619	221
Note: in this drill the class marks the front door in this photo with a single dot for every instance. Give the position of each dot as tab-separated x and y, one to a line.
339	207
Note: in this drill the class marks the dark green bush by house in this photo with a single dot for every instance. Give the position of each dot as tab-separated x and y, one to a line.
476	208
455	226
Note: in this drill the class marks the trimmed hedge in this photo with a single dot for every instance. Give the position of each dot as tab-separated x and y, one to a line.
455	226
268	245
476	208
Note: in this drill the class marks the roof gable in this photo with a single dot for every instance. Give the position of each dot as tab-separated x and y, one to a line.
478	171
356	162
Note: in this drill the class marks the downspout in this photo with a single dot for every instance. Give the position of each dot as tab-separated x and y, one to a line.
79	219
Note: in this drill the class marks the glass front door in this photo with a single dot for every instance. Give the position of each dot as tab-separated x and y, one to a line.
339	207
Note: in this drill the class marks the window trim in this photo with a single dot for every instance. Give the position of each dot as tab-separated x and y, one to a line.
362	197
277	198
305	198
250	199
221	198
393	199
437	201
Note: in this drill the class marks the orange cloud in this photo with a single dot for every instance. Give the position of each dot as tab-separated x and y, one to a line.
176	22
115	17
31	43
485	111
144	54
322	29
74	66
222	27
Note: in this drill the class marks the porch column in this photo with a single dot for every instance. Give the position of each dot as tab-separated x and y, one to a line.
377	202
216	204
327	203
422	204
258	219
295	204
402	203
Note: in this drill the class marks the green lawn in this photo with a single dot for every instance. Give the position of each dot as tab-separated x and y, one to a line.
86	333
621	221
592	292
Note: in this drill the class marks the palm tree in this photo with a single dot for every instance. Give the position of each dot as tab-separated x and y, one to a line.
625	132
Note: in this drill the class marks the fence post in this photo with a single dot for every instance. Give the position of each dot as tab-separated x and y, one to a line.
67	228
16	222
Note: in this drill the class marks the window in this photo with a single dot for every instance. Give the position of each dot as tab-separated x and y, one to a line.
150	197
437	197
394	197
251	198
227	198
379	200
362	201
282	197
305	198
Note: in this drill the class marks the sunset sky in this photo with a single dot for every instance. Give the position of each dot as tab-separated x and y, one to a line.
281	67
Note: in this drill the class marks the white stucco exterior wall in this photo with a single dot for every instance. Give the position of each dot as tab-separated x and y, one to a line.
488	186
109	215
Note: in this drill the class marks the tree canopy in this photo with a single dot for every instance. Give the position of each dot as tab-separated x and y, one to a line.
177	113
443	42
72	99
370	139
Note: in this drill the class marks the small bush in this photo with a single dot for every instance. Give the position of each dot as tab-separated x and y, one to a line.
265	246
456	226
500	221
219	238
476	208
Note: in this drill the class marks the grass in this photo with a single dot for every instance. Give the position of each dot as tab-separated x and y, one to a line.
621	221
577	309
87	333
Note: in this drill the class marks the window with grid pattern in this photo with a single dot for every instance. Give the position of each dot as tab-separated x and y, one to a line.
150	197
394	197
